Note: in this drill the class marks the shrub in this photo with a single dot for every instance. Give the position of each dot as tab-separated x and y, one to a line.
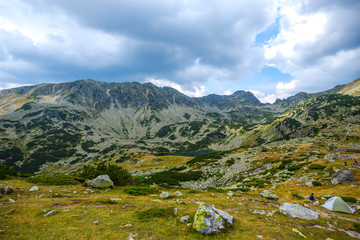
172	178
297	196
138	191
117	174
295	167
60	179
349	199
314	183
6	171
156	213
317	166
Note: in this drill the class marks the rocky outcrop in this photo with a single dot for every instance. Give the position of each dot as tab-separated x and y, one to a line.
298	211
165	195
209	220
268	195
342	176
102	181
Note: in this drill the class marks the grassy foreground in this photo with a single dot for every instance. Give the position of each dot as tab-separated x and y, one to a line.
114	214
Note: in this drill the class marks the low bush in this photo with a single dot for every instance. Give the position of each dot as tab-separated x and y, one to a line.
138	191
172	178
314	183
156	213
217	190
60	179
6	171
317	167
297	196
349	199
117	174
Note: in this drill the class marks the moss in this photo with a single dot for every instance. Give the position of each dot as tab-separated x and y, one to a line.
139	191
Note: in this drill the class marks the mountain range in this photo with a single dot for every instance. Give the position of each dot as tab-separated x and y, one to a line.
66	125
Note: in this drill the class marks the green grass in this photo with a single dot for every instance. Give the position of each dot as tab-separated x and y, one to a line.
140	191
60	179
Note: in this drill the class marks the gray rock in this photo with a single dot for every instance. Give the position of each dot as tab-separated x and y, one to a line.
51	213
309	184
179	194
35	188
268	195
185	219
209	220
102	181
342	176
11	200
8	189
297	211
165	195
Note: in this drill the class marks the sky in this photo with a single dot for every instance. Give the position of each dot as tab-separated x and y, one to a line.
274	49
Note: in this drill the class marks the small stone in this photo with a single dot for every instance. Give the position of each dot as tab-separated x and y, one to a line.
35	188
96	222
74	192
11	200
10	211
66	210
46	211
259	236
51	213
128	225
185	219
8	190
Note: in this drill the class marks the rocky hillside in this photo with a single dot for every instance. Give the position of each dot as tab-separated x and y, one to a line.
63	126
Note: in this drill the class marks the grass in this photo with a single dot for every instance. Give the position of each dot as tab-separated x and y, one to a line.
115	208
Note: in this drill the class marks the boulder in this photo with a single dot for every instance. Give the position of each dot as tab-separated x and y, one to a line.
297	211
210	220
35	188
342	176
102	181
268	195
8	190
165	195
179	194
309	184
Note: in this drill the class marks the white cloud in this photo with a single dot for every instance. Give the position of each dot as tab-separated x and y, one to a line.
318	44
283	90
196	92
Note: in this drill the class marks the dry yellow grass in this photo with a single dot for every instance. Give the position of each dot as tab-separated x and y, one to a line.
28	221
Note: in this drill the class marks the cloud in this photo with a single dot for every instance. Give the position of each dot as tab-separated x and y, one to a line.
133	40
195	92
283	90
318	43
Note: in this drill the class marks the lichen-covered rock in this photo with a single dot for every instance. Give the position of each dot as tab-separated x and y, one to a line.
342	176
8	190
102	181
297	211
179	194
209	220
35	188
268	195
165	195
